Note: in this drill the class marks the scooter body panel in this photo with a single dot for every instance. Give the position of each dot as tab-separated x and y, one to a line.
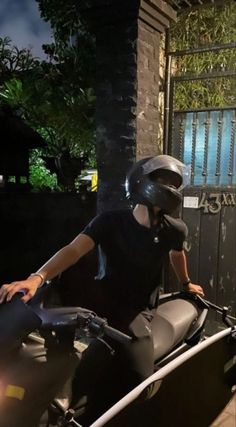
30	382
190	391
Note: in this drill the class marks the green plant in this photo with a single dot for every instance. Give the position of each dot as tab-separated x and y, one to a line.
14	60
198	27
40	177
53	97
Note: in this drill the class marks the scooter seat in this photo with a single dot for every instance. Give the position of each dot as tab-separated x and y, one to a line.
170	325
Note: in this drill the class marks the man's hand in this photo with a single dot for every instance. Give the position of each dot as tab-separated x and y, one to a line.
179	263
196	289
28	286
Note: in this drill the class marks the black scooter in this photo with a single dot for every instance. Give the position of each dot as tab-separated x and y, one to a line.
36	369
191	389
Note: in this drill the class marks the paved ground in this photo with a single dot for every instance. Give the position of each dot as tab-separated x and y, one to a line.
228	417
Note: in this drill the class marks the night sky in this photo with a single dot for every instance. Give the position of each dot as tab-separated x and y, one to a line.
20	20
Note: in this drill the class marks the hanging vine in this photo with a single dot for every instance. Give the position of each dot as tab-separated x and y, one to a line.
196	28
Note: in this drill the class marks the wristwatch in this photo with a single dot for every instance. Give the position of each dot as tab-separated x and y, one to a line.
186	283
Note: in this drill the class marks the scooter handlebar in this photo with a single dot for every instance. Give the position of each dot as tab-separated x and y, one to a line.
99	327
78	317
117	335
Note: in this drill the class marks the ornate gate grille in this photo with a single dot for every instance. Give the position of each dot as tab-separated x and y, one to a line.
207	141
200	130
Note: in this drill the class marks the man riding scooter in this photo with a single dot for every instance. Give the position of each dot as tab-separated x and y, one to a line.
132	244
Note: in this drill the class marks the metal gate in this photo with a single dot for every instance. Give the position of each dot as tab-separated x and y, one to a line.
200	129
207	141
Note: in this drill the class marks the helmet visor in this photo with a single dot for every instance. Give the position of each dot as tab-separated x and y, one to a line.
166	162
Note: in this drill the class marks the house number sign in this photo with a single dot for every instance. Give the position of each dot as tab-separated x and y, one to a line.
212	202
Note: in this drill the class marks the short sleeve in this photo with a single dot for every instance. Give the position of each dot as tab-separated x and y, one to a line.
179	236
97	228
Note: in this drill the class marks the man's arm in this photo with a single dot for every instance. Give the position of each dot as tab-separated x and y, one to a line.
63	259
67	256
179	264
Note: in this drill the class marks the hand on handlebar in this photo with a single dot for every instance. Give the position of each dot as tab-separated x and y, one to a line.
196	289
28	287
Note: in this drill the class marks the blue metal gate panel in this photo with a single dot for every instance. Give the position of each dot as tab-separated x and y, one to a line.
208	144
206	140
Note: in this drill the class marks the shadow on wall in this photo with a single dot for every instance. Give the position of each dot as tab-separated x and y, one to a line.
34	226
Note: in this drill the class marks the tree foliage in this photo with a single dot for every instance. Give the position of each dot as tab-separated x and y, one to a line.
40	177
56	97
65	17
14	60
74	43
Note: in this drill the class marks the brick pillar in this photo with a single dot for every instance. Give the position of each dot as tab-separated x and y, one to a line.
127	39
147	91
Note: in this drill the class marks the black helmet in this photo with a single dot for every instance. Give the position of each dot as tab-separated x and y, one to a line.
157	181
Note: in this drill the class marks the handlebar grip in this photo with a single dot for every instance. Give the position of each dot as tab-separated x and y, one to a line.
99	326
117	335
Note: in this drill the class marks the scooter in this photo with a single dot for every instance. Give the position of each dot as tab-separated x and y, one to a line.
37	369
190	390
34	367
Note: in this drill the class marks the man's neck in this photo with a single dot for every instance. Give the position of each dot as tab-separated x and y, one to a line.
142	216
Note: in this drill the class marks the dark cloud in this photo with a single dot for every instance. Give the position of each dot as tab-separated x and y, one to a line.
20	20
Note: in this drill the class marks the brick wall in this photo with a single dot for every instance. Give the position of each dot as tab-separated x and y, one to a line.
127	110
148	91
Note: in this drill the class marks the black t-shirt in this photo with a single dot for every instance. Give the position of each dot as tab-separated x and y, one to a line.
131	255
